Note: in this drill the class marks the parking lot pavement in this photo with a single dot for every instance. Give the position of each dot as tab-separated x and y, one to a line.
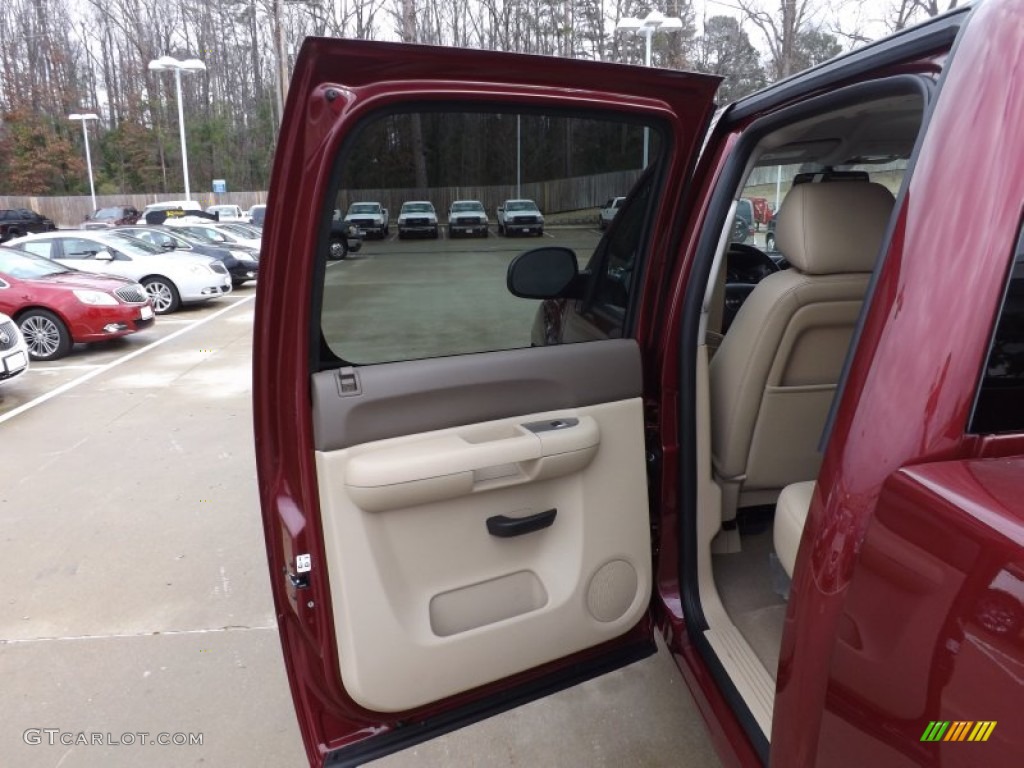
135	590
136	594
85	360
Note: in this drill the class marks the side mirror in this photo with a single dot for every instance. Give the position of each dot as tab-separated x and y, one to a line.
104	256
544	273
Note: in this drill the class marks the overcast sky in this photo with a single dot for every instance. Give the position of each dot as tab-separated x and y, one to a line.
864	16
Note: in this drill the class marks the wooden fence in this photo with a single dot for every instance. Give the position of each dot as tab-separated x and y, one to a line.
72	211
556	196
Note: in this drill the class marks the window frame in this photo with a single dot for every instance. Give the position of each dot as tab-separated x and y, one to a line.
322	355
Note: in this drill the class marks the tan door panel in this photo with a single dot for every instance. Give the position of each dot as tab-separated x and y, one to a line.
428	602
413	471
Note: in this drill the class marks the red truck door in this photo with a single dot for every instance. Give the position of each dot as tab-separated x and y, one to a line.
456	534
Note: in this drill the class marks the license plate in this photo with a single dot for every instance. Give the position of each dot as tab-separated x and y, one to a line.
15	362
147	313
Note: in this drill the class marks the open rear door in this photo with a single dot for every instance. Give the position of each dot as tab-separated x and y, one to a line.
457	515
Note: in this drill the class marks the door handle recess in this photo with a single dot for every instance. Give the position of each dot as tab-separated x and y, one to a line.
422	469
506	527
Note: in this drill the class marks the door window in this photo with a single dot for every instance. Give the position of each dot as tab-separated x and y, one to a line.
415	289
1000	405
37	247
78	248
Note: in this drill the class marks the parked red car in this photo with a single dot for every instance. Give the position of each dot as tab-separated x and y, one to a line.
56	307
819	506
113	216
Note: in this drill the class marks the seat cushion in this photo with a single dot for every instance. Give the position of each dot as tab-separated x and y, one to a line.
790	516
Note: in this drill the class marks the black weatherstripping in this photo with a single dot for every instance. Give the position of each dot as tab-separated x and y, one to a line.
506	527
416	732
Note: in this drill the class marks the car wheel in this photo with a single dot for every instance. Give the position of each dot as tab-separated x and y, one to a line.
338	249
401	235
436	234
387	231
163	294
999	613
769	241
540	233
45	335
501	229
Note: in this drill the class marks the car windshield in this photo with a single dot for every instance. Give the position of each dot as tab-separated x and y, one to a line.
463	207
25	266
521	205
141	246
364	208
157	237
206	234
417	208
239	229
107	214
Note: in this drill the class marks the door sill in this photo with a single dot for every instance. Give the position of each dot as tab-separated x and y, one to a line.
417	732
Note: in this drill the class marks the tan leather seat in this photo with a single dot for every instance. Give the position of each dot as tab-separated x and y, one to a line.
774	376
790	516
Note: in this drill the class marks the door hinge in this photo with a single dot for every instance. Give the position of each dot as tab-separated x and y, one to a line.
348	382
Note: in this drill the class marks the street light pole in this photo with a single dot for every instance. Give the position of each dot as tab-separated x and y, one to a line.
188	65
83	118
181	132
654	22
282	61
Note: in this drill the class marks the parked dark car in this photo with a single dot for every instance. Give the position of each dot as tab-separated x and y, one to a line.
741	230
820	510
15	222
345	238
241	262
256	214
113	216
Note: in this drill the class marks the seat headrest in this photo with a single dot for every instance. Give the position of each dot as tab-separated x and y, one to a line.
833	228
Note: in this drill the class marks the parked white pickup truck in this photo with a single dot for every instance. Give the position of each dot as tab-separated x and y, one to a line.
372	218
608	211
520	217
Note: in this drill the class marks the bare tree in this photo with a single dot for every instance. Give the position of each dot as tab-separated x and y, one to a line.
779	28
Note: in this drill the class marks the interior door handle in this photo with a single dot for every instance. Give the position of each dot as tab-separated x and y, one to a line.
506	527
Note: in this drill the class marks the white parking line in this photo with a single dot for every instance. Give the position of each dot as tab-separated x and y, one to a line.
49	368
113	364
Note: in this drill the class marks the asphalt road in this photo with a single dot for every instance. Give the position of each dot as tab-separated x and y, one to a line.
135	590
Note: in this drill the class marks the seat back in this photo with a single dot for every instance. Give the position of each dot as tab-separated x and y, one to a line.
775	374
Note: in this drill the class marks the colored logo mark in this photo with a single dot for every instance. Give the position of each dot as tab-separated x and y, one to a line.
958	730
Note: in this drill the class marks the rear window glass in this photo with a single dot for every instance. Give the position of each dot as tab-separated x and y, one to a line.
1000	404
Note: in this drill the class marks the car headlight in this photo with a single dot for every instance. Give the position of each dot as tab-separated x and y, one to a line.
353	230
200	269
243	255
95	298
